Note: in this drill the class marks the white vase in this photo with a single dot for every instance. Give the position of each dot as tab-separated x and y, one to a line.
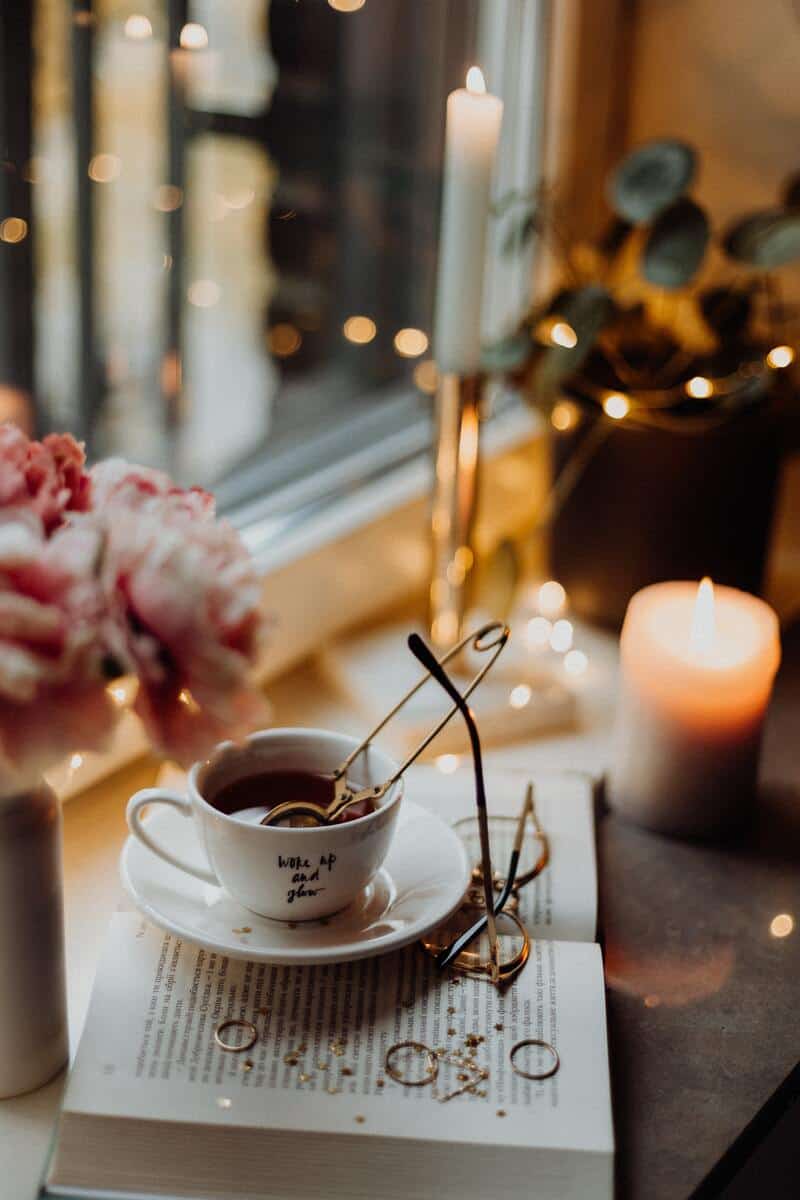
33	1005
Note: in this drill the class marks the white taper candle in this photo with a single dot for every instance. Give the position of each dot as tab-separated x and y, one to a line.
472	135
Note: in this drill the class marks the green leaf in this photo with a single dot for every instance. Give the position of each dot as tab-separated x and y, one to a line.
676	245
587	310
766	239
650	179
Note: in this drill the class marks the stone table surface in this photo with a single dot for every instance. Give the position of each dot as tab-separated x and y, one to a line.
703	998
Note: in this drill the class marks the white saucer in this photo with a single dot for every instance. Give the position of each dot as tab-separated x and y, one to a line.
421	882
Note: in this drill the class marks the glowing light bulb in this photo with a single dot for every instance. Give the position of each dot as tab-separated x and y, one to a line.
359	330
520	696
701	639
616	405
561	636
575	662
193	36
564	416
476	84
240	198
699	388
780	356
410	343
204	293
103	168
426	376
562	334
284	339
75	761
552	598
447	763
138	28
13	230
167	197
782	925
537	633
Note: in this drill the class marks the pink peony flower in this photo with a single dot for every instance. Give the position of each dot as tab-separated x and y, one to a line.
52	687
182	604
46	477
117	569
147	490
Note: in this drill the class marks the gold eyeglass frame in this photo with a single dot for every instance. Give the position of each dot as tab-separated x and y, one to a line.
475	895
470	963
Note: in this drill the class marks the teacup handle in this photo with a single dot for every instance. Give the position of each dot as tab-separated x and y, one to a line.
184	806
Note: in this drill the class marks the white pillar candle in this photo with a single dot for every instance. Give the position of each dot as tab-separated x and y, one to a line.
473	130
697	667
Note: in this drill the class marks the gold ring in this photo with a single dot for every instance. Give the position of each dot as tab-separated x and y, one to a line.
235	1023
535	1074
431	1071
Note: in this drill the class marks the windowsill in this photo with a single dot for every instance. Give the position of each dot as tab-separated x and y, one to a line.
316	585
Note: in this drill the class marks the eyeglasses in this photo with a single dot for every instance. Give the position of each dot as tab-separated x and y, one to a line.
529	854
533	858
503	943
428	659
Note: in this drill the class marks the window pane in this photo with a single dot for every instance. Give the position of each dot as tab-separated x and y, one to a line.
232	218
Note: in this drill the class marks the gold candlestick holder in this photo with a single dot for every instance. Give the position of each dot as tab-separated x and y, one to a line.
455	491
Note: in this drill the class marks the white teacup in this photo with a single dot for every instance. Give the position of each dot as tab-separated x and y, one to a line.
289	874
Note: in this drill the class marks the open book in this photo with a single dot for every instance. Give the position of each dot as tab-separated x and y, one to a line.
155	1108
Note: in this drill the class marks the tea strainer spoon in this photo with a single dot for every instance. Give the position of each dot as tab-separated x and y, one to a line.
490	637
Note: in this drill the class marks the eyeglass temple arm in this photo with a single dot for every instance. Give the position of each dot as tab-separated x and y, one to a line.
451	952
490	637
446	956
428	659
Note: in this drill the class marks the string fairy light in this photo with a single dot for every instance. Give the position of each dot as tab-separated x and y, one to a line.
13	230
699	387
410	343
562	334
565	415
780	356
616	406
426	376
284	339
138	28
193	36
104	168
204	293
359	330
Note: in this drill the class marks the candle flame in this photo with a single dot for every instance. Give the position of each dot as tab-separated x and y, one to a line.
475	81
701	639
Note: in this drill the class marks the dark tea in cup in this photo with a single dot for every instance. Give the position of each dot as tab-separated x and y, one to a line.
251	797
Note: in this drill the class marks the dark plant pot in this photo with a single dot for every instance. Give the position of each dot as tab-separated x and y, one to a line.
657	505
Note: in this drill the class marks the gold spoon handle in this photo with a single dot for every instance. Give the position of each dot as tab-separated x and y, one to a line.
323	816
481	641
490	637
295	808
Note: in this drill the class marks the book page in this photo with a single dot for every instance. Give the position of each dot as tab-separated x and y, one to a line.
561	902
148	1050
